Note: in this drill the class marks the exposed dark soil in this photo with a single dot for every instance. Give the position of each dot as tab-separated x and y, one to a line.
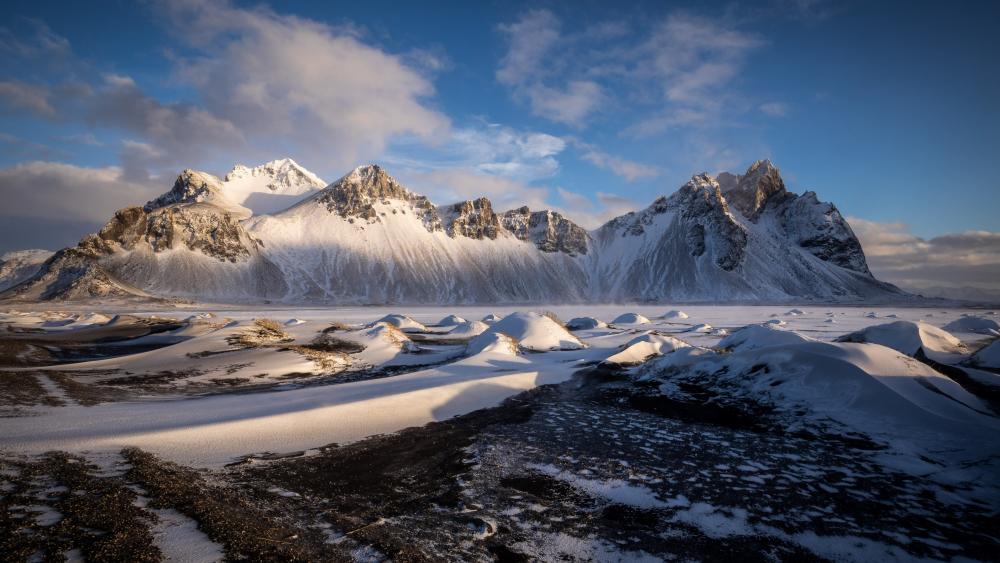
226	514
19	388
596	467
58	503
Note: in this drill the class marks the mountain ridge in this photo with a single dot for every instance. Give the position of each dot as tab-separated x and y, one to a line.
366	238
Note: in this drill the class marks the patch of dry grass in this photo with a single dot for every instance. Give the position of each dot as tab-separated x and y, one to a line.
263	332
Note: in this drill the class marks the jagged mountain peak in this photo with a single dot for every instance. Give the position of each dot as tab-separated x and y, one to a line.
372	181
285	174
751	190
193	186
270	187
368	192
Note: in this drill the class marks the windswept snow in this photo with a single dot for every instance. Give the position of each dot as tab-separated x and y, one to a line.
641	348
630	319
402	322
989	356
675	314
468	329
912	338
451	320
493	343
537	332
773	440
585	323
752	337
862	388
974	324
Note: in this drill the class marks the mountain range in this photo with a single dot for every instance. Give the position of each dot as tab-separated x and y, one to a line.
277	232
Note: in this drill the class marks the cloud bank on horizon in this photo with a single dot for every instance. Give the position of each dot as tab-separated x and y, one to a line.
593	112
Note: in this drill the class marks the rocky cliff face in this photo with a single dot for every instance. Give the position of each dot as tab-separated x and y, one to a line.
473	219
196	227
807	222
709	225
750	192
548	230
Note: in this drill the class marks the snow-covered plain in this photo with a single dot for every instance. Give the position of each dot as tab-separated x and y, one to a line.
222	384
215	429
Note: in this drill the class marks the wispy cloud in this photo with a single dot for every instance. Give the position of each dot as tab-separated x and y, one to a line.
774	109
88	139
528	69
486	148
678	70
16	95
624	168
33	40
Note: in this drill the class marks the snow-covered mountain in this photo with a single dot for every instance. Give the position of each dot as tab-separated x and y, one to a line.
19	265
189	242
270	187
734	238
367	239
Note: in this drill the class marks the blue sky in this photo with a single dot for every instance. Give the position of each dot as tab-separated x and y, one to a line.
887	109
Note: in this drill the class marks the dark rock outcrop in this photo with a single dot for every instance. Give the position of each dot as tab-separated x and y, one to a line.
549	230
354	196
473	219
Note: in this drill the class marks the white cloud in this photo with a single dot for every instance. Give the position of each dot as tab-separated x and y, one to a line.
679	69
589	214
530	40
87	139
627	169
896	255
692	61
486	148
264	85
320	89
171	134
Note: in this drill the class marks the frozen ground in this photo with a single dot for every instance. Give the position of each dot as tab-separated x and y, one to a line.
687	436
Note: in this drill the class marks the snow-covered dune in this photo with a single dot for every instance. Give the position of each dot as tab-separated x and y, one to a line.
858	388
